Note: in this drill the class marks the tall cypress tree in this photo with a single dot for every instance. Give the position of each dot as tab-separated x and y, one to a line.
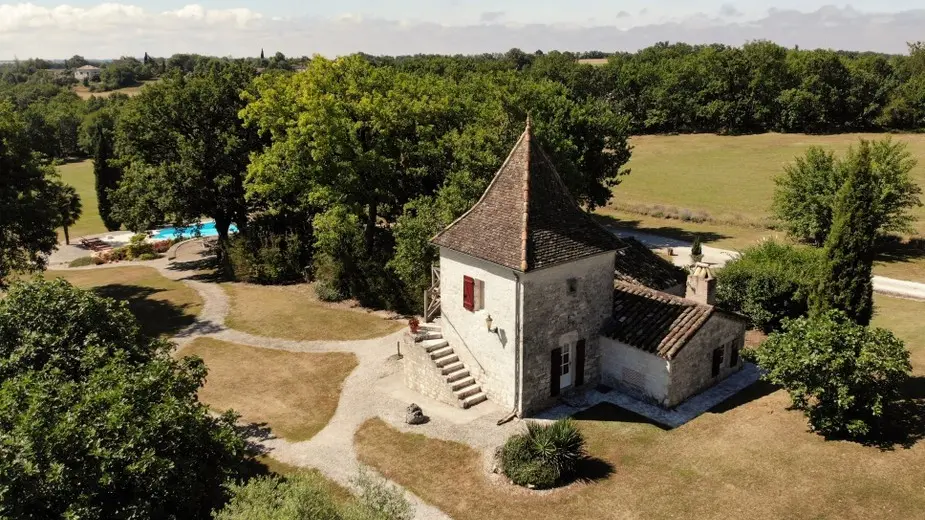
847	277
107	177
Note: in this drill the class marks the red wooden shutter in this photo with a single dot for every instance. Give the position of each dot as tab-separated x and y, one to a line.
580	363
555	371
468	293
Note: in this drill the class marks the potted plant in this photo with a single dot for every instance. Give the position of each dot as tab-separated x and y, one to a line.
696	250
414	325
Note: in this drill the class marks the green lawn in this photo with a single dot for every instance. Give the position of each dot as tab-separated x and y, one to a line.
729	181
80	176
729	177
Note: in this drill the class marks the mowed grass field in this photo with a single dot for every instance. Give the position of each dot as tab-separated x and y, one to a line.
750	457
296	402
80	176
729	182
294	312
730	177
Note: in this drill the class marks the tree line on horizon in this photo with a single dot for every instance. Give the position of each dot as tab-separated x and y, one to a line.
341	173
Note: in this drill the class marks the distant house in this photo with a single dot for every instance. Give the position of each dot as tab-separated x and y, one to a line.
537	300
87	72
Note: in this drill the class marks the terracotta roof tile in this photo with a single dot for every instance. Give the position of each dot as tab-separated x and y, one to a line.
653	321
526	219
637	264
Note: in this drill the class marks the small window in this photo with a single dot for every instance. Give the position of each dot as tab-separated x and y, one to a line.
717	360
572	285
473	294
566	363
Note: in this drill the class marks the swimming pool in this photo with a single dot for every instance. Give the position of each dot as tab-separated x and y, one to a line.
206	229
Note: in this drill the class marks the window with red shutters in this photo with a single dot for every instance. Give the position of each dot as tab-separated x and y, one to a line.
468	293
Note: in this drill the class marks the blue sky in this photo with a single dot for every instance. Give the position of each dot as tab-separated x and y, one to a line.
106	28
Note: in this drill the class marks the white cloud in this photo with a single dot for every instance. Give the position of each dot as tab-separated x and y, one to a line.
111	30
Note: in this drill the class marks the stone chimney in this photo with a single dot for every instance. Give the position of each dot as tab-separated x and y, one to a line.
701	285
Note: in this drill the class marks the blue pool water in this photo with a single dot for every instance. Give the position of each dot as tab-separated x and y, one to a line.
206	229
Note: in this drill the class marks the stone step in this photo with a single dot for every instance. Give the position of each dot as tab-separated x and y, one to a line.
434	344
430	326
446	360
439	353
452	367
468	391
452	377
462	383
473	400
425	335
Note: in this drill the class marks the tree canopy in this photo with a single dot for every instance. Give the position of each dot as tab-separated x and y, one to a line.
806	193
28	204
844	376
361	148
185	151
98	421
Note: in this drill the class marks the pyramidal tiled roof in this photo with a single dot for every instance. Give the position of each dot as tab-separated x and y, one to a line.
526	219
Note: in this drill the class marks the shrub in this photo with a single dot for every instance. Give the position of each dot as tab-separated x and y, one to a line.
117	254
266	258
138	238
769	283
379	500
843	376
544	456
148	256
306	495
81	262
162	246
697	247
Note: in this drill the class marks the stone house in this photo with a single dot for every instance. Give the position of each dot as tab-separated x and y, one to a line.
88	72
537	300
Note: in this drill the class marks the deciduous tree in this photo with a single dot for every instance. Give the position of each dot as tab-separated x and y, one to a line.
185	150
27	205
842	375
98	421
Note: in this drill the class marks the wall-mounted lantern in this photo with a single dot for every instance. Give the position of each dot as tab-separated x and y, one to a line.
488	322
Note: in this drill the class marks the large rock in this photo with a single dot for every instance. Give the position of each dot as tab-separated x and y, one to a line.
414	415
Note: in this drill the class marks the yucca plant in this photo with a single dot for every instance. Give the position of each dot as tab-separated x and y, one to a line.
559	445
545	455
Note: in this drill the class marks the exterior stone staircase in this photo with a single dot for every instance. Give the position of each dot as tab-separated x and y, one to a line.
457	376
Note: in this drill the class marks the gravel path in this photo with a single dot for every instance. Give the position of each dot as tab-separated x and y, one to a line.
719	257
373	389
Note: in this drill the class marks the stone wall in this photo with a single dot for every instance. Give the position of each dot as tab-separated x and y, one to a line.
489	356
634	371
691	370
422	375
554	317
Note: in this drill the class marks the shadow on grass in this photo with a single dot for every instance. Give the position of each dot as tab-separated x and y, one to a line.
201	266
893	249
904	426
675	236
607	412
155	317
757	390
